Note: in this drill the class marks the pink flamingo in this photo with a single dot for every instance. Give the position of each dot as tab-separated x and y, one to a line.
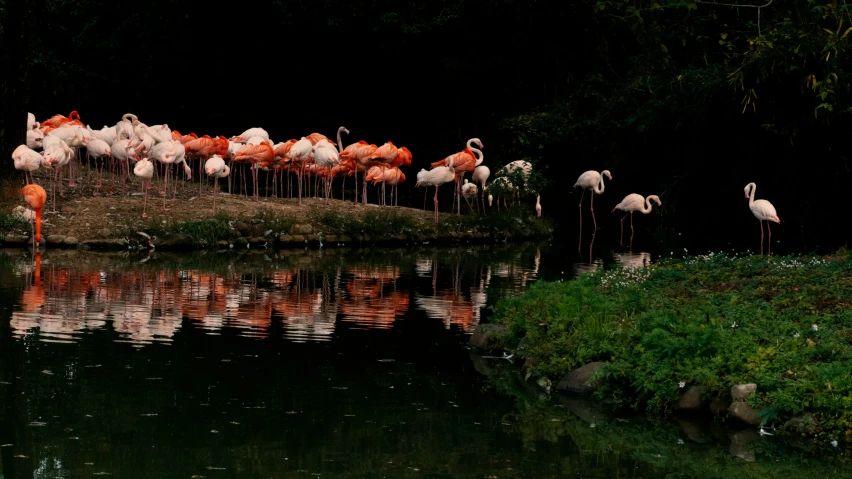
590	180
764	211
634	202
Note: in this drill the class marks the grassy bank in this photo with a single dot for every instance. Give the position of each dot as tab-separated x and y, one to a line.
268	220
782	323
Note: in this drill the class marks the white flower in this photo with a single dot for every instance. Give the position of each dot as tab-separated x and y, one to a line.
815	327
796	335
834	443
680	441
681	384
734	325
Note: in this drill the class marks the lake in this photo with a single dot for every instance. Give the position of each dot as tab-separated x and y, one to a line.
342	362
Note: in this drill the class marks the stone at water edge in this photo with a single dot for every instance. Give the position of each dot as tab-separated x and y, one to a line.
577	381
692	398
739	408
71	241
16	238
55	239
488	336
175	241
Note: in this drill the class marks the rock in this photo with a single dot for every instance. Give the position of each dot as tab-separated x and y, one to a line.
744	412
285	238
804	424
241	241
312	237
719	405
691	399
16	238
486	367
344	239
71	241
488	336
693	431
103	233
330	238
256	240
258	230
175	241
104	244
55	239
241	228
297	239
222	244
306	229
742	391
577	381
740	441
585	409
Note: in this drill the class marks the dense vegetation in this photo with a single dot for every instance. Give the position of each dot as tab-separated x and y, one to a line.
782	323
687	99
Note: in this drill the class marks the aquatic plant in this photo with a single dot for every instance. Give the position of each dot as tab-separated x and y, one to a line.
713	320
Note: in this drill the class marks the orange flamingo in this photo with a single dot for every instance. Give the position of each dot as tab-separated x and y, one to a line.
35	196
255	154
463	162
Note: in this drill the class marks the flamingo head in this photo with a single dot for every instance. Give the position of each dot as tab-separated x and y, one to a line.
606	173
478	143
74	115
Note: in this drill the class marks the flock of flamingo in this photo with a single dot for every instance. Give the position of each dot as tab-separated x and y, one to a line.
131	145
593	181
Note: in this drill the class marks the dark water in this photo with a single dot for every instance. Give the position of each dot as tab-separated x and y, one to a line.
333	363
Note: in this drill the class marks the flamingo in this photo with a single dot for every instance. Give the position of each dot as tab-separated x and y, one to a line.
27	161
35	139
438	176
144	169
468	191
763	211
35	196
634	202
32	124
250	133
300	153
326	156
121	153
538	205
591	180
216	168
464	161
255	154
480	175
97	148
168	153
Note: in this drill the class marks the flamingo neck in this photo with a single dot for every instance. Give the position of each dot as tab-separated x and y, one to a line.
339	141
647	208
599	188
753	187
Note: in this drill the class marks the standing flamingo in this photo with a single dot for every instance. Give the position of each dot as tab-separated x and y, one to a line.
144	169
480	175
590	180
216	168
27	161
468	192
763	211
300	153
35	196
630	203
463	161
438	176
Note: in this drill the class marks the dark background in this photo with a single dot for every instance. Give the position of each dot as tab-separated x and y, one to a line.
654	91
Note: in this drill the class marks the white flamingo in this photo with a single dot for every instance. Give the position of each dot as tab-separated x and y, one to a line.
591	180
216	168
144	169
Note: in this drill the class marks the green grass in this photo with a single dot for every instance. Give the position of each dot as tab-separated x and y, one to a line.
378	223
782	323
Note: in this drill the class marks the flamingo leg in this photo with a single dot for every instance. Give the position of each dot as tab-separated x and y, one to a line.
621	237
436	203
631	230
580	239
769	243
761	236
215	187
145	196
425	192
592	207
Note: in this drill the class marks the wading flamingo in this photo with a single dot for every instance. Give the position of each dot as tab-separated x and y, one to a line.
35	196
764	211
590	180
630	203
